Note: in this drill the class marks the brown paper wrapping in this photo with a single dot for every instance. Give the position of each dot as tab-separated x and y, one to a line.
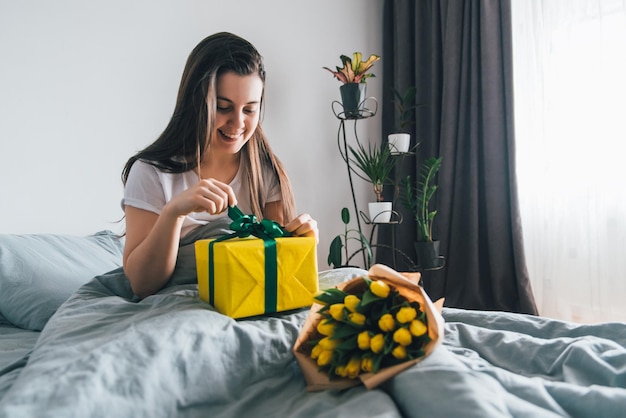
406	284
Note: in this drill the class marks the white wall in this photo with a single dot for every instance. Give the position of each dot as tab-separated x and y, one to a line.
84	85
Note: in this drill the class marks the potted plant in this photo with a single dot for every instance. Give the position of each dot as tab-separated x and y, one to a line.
375	164
404	104
417	199
339	245
353	76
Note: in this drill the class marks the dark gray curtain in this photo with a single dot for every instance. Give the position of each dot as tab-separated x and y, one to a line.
458	55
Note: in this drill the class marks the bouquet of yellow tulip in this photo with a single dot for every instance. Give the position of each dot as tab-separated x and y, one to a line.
367	330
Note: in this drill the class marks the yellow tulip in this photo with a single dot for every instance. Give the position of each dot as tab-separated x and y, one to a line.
356	318
328	344
353	367
315	352
406	314
336	311
399	352
367	364
341	371
377	343
379	288
363	340
326	328
402	336
324	358
386	323
351	302
417	328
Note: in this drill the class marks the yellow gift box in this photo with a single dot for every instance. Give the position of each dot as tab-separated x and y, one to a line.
239	275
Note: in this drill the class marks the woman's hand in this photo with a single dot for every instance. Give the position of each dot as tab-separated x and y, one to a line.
208	195
303	226
152	240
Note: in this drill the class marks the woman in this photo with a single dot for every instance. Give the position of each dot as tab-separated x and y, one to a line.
212	154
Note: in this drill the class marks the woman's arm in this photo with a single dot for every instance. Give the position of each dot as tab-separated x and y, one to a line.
274	211
151	248
152	239
302	225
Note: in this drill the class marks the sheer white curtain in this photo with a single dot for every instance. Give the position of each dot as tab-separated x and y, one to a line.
570	121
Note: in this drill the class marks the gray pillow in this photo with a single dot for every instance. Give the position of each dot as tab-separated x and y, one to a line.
38	272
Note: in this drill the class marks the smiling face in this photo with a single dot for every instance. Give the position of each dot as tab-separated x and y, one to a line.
238	104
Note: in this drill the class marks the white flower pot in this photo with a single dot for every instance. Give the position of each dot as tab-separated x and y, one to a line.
380	212
399	143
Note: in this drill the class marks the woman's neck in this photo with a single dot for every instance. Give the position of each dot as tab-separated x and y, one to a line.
220	167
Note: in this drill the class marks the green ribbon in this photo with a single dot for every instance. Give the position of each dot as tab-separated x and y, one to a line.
244	226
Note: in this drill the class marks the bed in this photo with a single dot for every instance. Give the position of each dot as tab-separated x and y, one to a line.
75	342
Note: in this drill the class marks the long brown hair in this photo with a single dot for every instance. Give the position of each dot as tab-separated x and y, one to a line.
184	140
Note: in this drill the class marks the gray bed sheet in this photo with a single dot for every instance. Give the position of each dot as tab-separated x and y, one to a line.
104	353
15	346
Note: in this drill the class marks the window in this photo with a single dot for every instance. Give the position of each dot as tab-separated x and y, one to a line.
570	121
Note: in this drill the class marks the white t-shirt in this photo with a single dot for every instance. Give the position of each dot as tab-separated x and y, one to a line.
150	189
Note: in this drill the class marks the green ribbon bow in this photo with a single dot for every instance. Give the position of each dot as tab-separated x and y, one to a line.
244	226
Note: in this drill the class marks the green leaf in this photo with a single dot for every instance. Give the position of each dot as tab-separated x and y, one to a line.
344	331
376	363
331	296
366	244
368	297
416	354
377	310
345	216
376	163
335	258
324	312
389	344
349	344
417	198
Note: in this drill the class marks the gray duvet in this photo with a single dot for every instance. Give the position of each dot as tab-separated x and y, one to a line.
106	354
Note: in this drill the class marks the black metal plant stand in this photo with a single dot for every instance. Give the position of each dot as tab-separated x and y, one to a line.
364	113
342	144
